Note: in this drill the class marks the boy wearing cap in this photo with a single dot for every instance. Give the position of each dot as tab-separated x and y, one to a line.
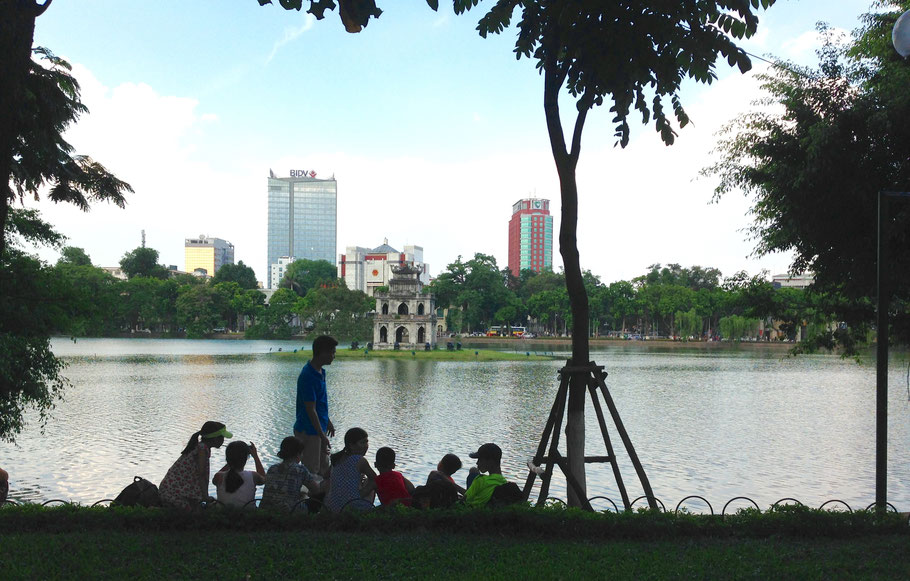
481	486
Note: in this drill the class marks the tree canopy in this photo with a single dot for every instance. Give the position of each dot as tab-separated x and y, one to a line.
304	274
815	165
240	273
143	262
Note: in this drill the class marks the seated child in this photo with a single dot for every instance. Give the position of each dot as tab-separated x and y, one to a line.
449	465
391	485
236	486
481	486
284	480
351	480
4	485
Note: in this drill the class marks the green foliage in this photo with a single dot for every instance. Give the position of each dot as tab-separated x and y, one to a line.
337	311
33	303
93	297
636	55
688	324
142	262
75	256
197	311
275	318
735	327
239	273
303	275
49	103
814	166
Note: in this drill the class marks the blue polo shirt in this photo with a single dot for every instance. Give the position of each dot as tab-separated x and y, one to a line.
311	387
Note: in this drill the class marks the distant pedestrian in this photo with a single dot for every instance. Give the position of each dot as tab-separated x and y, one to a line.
186	483
313	426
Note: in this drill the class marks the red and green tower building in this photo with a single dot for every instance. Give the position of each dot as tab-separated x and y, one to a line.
531	236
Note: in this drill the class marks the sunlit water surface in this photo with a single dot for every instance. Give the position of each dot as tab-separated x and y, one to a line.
717	425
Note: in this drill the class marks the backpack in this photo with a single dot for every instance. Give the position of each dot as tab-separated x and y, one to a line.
436	494
506	494
140	492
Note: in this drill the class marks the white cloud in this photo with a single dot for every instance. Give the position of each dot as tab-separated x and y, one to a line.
637	206
290	35
802	48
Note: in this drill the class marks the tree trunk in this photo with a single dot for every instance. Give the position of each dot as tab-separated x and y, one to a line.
17	31
566	161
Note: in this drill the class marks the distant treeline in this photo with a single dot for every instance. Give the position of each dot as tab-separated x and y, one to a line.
670	301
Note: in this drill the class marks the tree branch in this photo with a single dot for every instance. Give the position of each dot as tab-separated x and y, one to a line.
553	80
41	8
585	104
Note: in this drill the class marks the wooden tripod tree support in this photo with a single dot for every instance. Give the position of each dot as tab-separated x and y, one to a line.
594	376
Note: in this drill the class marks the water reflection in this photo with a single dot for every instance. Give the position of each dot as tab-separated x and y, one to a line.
714	424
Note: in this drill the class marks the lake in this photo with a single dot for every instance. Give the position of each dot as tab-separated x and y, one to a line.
718	424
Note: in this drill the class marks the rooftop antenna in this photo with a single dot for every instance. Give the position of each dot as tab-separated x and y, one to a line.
143	238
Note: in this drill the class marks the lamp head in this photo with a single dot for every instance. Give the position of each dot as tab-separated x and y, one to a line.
900	35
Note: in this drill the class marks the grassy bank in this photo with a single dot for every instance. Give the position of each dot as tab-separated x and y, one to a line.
436	355
507	544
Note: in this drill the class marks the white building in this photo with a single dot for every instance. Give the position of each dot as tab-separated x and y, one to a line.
277	270
787	281
366	270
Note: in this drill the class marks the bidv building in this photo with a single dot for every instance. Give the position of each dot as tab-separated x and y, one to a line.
303	218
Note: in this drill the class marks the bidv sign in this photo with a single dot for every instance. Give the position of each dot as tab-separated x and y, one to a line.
302	173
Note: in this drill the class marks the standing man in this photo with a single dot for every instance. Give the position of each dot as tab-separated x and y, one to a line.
313	426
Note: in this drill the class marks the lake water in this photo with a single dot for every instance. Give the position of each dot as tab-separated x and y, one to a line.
720	424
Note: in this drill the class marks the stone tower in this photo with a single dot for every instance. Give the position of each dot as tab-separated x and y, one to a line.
405	314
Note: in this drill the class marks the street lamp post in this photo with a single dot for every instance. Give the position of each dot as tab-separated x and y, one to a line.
900	37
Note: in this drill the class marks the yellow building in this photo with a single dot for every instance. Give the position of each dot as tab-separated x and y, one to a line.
203	256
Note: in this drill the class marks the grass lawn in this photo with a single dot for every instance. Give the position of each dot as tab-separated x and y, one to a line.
519	543
297	555
436	355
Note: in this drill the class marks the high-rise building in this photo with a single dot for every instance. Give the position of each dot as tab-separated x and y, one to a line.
530	236
206	254
365	270
302	218
278	269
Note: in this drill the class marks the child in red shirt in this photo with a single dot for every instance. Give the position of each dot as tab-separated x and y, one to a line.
391	485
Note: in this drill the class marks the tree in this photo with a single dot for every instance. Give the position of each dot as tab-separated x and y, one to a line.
143	262
624	51
814	165
39	104
197	311
31	307
74	256
337	311
239	273
93	295
303	275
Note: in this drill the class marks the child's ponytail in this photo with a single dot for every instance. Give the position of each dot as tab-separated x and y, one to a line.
191	445
236	455
351	437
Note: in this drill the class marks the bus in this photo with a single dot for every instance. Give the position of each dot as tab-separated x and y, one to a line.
511	331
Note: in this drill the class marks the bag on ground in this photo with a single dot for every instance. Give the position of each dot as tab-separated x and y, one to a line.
140	492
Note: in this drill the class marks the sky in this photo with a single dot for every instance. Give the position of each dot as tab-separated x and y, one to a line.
431	131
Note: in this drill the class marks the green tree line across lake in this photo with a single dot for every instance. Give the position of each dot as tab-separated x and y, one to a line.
472	295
